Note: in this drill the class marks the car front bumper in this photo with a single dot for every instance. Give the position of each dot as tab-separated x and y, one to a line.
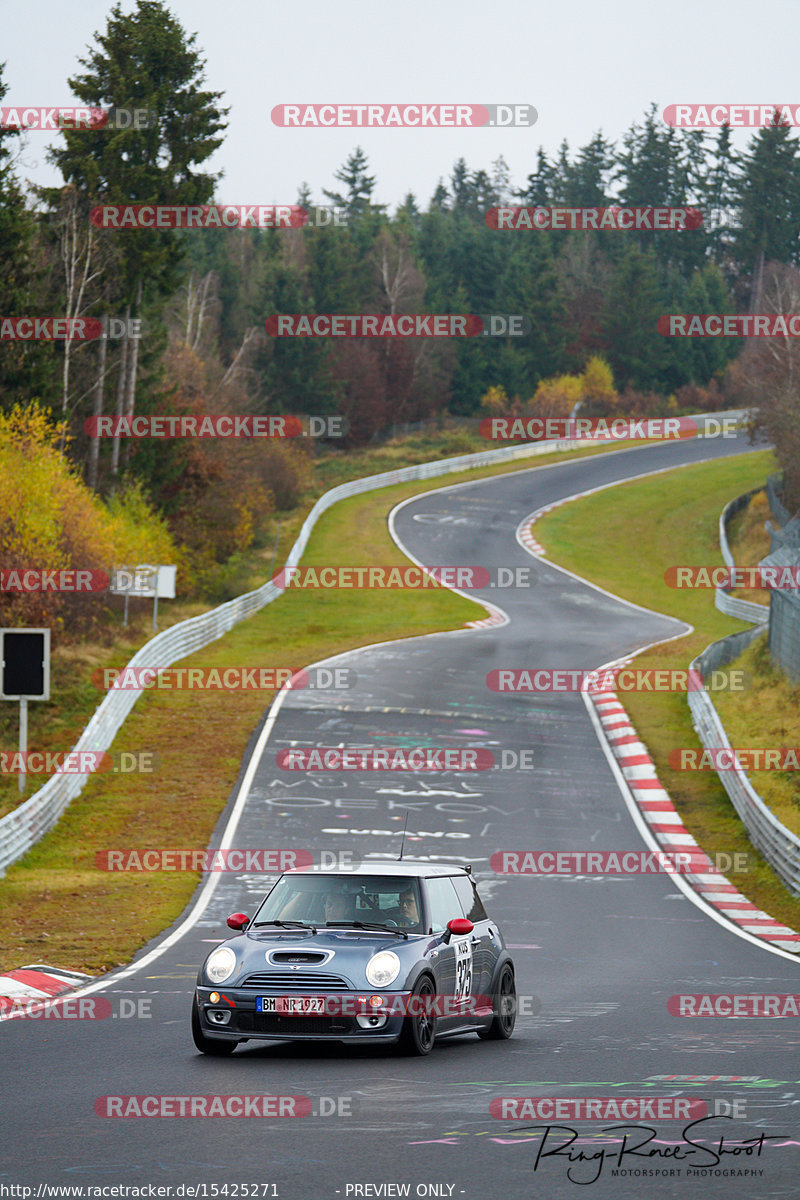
348	1016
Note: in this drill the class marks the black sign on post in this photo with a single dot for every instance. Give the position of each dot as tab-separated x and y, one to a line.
24	664
24	676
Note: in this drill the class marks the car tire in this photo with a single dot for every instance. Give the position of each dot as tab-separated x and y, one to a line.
419	1029
505	1008
206	1045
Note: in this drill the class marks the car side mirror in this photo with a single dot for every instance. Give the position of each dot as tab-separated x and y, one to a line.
238	921
458	926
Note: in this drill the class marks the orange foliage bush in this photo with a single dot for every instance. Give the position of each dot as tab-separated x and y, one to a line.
50	521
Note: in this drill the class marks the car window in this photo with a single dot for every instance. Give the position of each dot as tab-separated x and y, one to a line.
471	903
323	899
443	903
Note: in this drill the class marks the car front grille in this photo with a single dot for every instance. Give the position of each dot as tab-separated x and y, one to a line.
272	1023
296	981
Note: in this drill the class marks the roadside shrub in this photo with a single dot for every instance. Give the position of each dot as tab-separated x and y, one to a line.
50	521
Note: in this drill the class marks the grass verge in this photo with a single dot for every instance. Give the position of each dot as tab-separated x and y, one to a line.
623	539
767	715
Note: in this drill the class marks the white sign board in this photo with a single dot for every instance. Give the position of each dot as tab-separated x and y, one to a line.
144	580
165	584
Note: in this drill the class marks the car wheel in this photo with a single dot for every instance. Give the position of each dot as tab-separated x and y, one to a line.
505	1008
419	1029
207	1045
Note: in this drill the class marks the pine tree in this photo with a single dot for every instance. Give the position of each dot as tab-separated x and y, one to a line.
143	60
501	180
718	195
541	184
440	198
657	169
530	285
294	371
563	174
588	177
637	352
464	192
357	200
649	166
707	293
485	195
768	204
687	249
27	369
336	275
410	208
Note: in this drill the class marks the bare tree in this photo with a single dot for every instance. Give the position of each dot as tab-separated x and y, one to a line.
195	305
398	273
76	244
133	362
97	407
767	377
237	366
121	390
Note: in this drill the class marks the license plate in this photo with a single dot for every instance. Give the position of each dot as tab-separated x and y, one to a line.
298	1006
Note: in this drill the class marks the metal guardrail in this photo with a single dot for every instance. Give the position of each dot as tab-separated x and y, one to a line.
31	820
744	610
732	606
779	846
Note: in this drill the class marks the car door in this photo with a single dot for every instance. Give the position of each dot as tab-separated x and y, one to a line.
484	937
454	962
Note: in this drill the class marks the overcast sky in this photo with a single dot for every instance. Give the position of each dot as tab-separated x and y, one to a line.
584	64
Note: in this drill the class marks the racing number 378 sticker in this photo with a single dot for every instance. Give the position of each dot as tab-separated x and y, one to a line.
463	951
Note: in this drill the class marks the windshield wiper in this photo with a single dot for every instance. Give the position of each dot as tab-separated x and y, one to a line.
366	925
286	925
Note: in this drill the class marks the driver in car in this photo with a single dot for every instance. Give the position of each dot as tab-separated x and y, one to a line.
407	913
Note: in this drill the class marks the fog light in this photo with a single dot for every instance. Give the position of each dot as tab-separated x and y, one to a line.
219	1016
371	1020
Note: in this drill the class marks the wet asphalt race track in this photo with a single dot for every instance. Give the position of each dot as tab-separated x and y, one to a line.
601	954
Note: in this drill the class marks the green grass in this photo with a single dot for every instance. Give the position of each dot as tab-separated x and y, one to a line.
623	539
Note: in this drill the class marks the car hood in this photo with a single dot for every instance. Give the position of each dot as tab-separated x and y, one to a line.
326	939
347	953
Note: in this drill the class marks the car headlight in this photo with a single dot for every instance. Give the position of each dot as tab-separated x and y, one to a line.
383	968
220	965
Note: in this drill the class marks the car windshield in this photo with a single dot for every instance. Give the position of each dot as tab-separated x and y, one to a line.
340	899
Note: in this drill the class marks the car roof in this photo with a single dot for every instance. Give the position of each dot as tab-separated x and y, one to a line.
405	868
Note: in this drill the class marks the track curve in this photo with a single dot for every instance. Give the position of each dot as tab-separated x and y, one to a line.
601	954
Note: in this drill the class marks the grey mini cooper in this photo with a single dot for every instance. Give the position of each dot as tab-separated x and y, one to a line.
391	951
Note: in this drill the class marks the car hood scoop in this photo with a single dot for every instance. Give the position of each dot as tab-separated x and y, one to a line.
298	956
